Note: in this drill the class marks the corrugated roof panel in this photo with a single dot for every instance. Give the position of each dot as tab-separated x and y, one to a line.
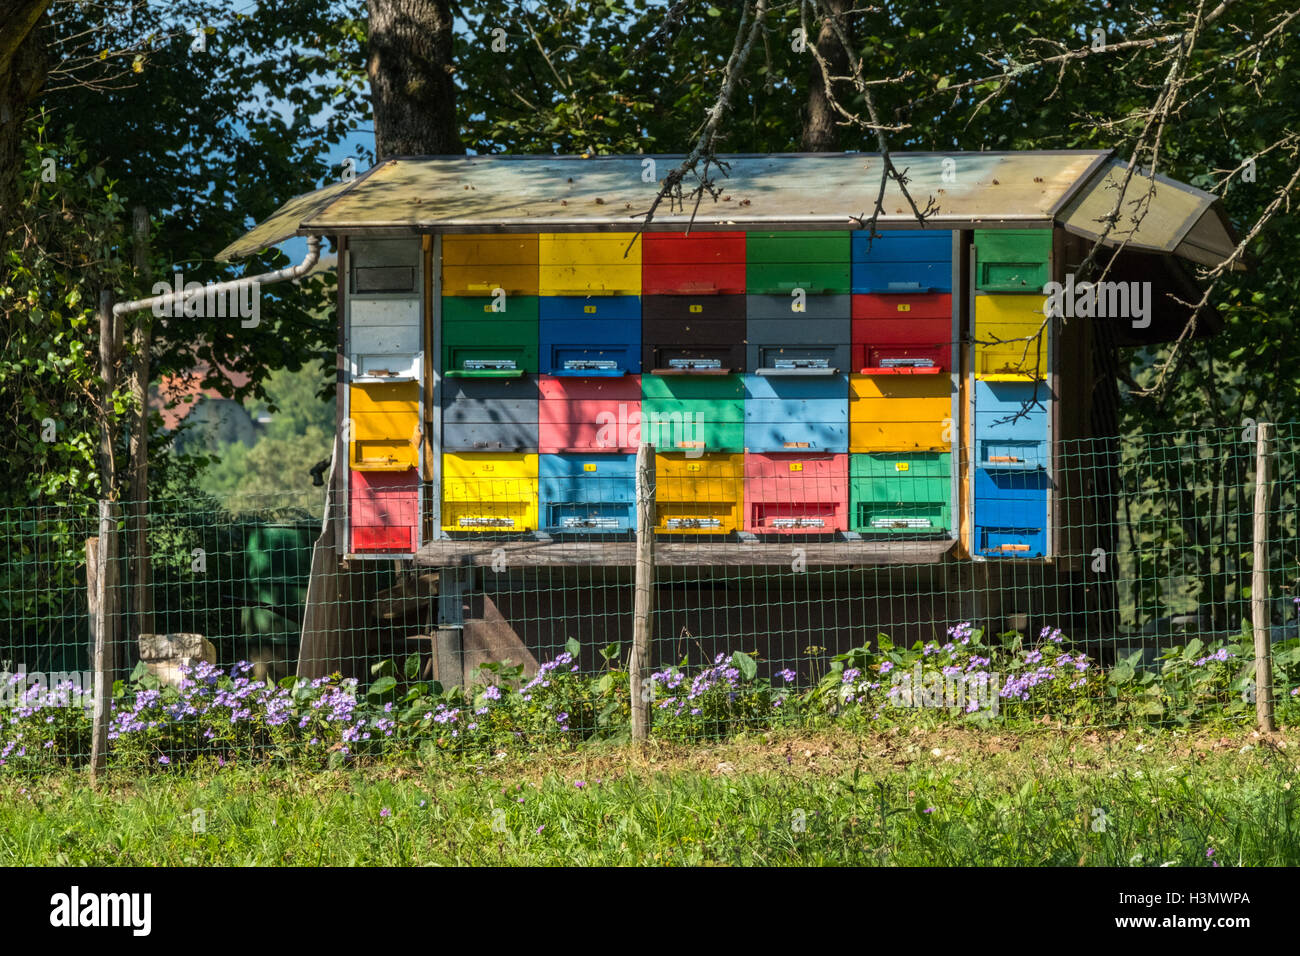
1156	214
1075	188
490	192
282	224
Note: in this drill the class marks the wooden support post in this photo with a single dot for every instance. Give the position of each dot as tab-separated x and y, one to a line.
101	565
643	607
1261	619
138	506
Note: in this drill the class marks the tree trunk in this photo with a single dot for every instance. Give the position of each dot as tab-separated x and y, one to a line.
820	134
23	65
409	61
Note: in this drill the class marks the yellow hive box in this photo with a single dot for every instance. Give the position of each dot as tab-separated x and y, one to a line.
1005	318
703	495
384	454
384	410
900	413
487	492
384	432
589	263
476	265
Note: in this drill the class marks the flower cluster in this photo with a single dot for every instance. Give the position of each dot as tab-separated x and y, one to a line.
1221	654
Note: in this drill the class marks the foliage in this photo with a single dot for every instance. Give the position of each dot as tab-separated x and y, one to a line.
334	721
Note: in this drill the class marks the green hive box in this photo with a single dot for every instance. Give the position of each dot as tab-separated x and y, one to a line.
904	493
471	333
1012	260
817	262
693	408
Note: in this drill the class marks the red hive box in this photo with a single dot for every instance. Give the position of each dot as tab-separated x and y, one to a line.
385	510
589	414
792	493
890	331
703	263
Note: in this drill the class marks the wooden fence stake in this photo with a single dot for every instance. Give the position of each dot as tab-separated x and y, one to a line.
1261	619
643	607
101	567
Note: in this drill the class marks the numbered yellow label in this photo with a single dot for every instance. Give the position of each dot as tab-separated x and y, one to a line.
697	308
588	467
488	466
694	467
589	308
901	465
904	307
488	307
796	466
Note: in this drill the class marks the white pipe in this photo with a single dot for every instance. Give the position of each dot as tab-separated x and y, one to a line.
268	278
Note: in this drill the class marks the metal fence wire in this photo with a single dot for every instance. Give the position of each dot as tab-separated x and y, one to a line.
831	592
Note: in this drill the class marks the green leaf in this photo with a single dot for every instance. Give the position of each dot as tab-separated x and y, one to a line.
411	667
381	687
573	647
745	664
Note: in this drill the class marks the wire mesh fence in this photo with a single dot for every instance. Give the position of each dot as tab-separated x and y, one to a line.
854	591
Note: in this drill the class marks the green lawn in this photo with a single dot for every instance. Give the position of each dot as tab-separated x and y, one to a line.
903	798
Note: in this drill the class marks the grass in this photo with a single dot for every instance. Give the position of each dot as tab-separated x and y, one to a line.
834	798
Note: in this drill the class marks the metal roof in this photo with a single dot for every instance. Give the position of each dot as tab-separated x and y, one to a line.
557	193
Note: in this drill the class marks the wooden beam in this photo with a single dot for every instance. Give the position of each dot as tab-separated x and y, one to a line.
673	551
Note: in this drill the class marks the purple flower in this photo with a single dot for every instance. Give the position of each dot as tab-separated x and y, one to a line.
579	784
492	692
886	667
384	812
163	760
787	675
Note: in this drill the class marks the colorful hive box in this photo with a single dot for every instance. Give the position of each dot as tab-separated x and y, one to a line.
900	413
1010	338
1010	510
699	495
796	414
587	494
489	492
684	413
479	341
692	335
384	511
590	335
478	265
902	334
384	426
796	493
384	334
589	263
906	261
701	263
587	415
490	414
908	493
810	340
1012	260
781	262
1011	425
